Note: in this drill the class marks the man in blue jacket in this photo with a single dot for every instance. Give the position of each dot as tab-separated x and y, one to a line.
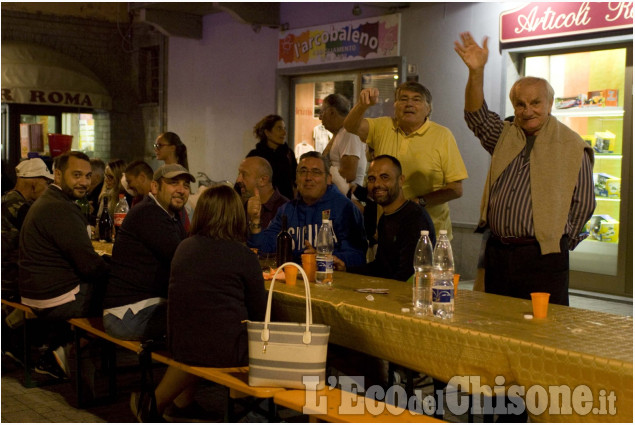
317	199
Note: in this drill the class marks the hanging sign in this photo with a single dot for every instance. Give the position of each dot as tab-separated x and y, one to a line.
550	20
339	42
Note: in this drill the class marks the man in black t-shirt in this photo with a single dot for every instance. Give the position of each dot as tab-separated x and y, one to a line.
400	225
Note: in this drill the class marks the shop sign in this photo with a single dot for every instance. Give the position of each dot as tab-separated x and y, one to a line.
550	20
340	42
57	98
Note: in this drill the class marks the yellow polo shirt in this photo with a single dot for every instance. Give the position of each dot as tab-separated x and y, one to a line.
429	158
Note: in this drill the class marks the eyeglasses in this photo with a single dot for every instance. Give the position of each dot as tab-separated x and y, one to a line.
314	172
158	146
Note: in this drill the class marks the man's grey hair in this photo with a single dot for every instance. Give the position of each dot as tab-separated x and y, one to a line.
529	81
338	102
316	154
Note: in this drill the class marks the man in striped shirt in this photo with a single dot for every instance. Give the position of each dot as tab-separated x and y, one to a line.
539	191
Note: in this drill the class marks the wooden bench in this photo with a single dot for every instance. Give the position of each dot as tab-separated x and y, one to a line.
335	405
27	363
234	379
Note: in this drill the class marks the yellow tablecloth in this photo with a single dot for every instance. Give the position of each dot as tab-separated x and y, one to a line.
103	248
488	337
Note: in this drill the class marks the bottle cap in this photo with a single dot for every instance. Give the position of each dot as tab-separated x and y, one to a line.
120	195
443	232
325	220
425	232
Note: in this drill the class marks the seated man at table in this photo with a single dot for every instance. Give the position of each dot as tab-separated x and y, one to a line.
254	185
399	227
60	274
135	305
138	177
317	199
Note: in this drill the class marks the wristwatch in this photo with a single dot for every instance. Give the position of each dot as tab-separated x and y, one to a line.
422	201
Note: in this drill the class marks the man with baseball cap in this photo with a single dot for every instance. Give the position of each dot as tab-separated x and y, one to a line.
33	179
135	305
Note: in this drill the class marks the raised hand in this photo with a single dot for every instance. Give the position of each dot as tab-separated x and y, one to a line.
254	205
369	97
474	56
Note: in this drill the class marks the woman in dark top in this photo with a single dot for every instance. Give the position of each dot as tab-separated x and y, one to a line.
271	133
215	284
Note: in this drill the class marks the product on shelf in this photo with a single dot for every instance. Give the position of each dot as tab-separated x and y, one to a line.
589	138
604	142
603	228
606	97
601	183
613	188
569	102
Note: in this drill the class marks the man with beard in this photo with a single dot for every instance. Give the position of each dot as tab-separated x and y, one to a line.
61	275
398	228
261	199
135	305
432	165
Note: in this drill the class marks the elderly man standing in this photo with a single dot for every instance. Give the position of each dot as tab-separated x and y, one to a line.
254	184
135	305
428	153
539	191
399	227
346	153
138	176
318	200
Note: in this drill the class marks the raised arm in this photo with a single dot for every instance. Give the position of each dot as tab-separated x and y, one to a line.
355	122
475	58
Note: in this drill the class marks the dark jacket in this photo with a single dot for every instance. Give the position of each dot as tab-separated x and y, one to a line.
283	162
142	254
214	286
55	251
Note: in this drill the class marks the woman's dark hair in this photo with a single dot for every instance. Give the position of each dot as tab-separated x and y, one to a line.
267	123
220	214
181	150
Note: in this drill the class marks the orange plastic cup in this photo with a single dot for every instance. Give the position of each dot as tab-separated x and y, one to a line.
290	274
309	264
456	284
540	304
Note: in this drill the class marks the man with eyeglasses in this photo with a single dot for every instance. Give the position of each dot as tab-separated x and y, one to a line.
317	199
429	155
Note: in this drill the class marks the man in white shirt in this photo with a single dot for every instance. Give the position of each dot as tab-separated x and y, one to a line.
346	152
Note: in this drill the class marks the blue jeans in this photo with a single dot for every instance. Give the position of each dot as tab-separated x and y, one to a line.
148	324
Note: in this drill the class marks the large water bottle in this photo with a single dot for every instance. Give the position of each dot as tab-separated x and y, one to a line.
443	287
423	278
324	257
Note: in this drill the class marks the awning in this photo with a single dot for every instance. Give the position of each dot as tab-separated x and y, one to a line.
37	75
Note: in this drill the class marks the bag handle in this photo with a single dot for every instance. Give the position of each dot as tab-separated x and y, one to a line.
306	337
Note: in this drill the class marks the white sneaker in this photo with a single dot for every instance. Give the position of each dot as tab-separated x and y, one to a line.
62	359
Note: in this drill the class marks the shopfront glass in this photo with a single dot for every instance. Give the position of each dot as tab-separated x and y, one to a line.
309	92
590	95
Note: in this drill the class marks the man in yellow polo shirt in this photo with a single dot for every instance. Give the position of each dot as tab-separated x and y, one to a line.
427	151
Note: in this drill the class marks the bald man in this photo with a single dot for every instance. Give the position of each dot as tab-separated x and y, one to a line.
261	199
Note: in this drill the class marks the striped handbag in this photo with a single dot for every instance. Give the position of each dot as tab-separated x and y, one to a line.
283	354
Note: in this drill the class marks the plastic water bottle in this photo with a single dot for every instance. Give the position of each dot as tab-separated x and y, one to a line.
423	278
324	257
121	209
443	287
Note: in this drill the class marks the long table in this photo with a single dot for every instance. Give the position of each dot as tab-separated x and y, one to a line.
488	338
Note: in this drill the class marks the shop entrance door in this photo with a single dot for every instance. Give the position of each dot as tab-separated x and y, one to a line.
308	92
